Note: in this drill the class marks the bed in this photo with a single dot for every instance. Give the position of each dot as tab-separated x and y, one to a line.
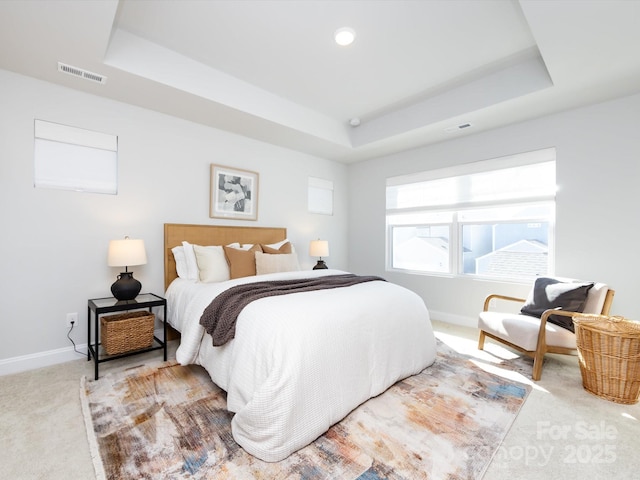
298	363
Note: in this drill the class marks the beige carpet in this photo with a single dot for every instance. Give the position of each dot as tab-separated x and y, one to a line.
169	421
43	435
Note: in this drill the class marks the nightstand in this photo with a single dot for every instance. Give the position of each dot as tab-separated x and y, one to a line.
99	306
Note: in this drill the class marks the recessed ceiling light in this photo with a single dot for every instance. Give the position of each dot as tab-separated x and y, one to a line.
345	36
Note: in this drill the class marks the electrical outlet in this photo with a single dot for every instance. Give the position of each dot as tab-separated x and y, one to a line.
71	317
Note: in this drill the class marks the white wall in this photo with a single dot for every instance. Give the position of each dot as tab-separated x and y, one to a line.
598	170
54	242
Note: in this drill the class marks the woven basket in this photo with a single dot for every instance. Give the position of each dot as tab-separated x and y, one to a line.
609	352
127	331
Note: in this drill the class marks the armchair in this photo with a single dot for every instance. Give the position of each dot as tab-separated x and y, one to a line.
535	336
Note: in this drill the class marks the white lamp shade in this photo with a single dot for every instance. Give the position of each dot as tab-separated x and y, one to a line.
319	248
127	252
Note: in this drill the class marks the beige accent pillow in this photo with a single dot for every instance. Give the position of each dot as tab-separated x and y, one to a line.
212	263
270	263
242	263
284	248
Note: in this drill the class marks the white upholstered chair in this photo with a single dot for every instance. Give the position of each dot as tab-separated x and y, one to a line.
536	336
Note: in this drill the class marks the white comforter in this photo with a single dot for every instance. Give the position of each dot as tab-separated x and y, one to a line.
300	363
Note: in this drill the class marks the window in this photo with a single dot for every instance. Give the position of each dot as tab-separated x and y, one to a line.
72	158
320	196
492	219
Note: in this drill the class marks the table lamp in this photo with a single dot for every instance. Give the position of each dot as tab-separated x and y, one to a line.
126	253
319	248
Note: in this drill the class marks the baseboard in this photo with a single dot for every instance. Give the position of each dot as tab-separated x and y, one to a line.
53	357
454	319
67	354
41	359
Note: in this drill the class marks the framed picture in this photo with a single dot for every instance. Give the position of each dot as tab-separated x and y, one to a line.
234	193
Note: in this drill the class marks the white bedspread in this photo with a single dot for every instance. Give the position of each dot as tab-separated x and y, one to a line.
300	363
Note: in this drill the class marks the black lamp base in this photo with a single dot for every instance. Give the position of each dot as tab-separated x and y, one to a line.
320	265
126	287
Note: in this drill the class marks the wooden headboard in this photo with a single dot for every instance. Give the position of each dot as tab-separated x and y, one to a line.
176	233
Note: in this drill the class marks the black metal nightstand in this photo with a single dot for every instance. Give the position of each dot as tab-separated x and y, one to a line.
100	306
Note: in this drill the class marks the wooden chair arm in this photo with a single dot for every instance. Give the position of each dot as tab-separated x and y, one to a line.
497	296
547	313
562	313
542	332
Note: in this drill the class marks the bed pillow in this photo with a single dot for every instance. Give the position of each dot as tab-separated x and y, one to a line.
270	263
181	261
242	263
212	264
552	293
190	261
277	245
284	248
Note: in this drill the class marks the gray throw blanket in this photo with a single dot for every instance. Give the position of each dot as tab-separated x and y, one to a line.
219	318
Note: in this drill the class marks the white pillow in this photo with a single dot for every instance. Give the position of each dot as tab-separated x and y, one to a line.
279	244
270	263
212	264
190	260
181	261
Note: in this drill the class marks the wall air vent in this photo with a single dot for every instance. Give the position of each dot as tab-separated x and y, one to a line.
81	73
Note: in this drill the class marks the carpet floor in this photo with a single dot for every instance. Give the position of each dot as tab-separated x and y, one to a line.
562	431
169	421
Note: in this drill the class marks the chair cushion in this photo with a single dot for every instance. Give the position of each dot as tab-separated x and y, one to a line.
522	330
596	298
551	293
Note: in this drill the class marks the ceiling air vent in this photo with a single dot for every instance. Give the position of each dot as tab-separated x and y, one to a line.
457	128
81	73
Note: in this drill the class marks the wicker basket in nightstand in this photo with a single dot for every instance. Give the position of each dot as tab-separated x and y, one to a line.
126	331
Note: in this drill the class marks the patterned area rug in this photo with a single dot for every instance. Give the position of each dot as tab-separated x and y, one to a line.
168	421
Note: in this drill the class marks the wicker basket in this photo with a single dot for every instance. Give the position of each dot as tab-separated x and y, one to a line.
127	331
609	352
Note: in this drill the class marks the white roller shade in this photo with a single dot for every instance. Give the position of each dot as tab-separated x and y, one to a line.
73	158
320	199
